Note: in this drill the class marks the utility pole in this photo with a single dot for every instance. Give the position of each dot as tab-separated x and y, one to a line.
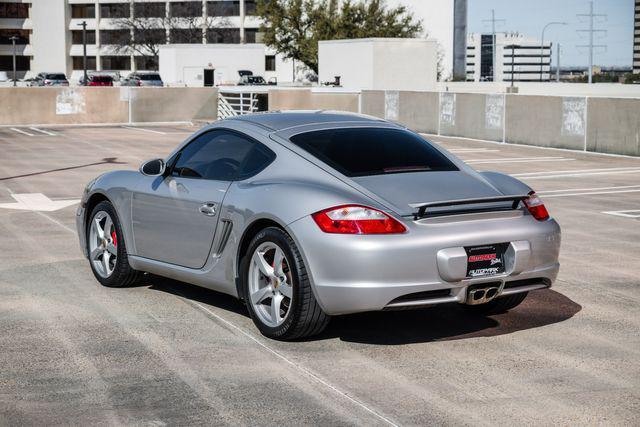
558	64
84	51
494	21
14	39
591	16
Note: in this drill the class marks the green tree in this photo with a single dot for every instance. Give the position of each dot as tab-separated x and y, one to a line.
294	27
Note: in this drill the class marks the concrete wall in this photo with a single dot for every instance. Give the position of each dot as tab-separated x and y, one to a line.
546	121
416	110
613	126
307	99
606	125
86	105
547	89
472	115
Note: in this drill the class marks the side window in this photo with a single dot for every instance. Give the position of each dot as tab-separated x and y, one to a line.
258	158
215	155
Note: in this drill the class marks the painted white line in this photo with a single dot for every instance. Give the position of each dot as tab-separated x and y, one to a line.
573	175
624	214
46	132
576	171
592	193
519	160
569	190
36	202
21	131
285	359
523	161
144	130
471	150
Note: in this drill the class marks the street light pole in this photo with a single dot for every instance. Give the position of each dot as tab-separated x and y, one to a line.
542	43
83	24
13	41
558	64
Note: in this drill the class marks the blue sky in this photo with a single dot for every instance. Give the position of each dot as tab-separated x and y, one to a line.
529	17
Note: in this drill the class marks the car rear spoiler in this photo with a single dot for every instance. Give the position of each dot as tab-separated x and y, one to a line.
422	207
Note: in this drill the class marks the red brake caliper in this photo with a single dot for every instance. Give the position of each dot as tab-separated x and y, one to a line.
114	239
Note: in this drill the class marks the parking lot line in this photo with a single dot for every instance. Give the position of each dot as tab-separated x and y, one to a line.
625	214
46	132
519	160
575	173
570	190
22	131
144	130
285	359
472	150
591	193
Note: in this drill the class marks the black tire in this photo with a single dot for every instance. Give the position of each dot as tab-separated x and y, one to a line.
123	275
498	305
305	317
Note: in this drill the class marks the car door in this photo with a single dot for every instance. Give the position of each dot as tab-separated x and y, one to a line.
174	217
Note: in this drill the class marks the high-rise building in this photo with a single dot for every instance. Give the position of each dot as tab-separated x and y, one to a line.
517	58
636	38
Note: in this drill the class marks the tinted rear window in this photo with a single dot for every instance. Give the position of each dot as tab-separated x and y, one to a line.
373	151
102	79
150	77
56	77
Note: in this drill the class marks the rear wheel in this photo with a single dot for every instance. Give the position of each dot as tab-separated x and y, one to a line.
278	293
498	305
107	249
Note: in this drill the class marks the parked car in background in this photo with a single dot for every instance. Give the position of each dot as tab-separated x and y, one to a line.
248	79
143	79
97	80
49	79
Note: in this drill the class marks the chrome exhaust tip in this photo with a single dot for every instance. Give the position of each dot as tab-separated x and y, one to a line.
480	295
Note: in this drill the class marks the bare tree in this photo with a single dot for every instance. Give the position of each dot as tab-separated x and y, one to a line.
151	27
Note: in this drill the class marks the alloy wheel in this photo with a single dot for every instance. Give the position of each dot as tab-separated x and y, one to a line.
270	284
103	244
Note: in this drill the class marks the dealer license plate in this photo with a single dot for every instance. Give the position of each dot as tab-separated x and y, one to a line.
486	260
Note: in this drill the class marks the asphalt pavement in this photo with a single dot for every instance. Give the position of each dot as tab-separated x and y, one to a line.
164	352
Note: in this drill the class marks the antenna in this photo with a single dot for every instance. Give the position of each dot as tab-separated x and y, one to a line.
591	16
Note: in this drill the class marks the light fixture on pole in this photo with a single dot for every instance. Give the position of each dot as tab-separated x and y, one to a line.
542	43
14	39
83	24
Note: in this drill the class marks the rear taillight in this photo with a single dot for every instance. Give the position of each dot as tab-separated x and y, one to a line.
47	82
536	207
356	219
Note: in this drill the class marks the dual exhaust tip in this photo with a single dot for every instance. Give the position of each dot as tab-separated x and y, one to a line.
482	295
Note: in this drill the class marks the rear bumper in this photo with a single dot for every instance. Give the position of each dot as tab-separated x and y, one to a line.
351	273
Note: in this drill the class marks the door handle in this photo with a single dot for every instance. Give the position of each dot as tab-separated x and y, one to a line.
209	209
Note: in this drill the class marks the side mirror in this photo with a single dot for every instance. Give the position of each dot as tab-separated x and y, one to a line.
155	167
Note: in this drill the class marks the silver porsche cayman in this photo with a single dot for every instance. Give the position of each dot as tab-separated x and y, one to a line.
306	215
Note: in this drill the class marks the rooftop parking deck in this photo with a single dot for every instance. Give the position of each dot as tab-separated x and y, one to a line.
166	352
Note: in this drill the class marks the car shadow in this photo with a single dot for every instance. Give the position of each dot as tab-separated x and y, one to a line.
437	323
450	322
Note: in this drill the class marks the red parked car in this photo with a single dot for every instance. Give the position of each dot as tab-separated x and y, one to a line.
97	80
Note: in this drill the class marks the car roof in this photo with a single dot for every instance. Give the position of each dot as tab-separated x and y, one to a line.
279	120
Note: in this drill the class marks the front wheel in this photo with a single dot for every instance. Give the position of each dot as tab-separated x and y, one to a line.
277	289
107	250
